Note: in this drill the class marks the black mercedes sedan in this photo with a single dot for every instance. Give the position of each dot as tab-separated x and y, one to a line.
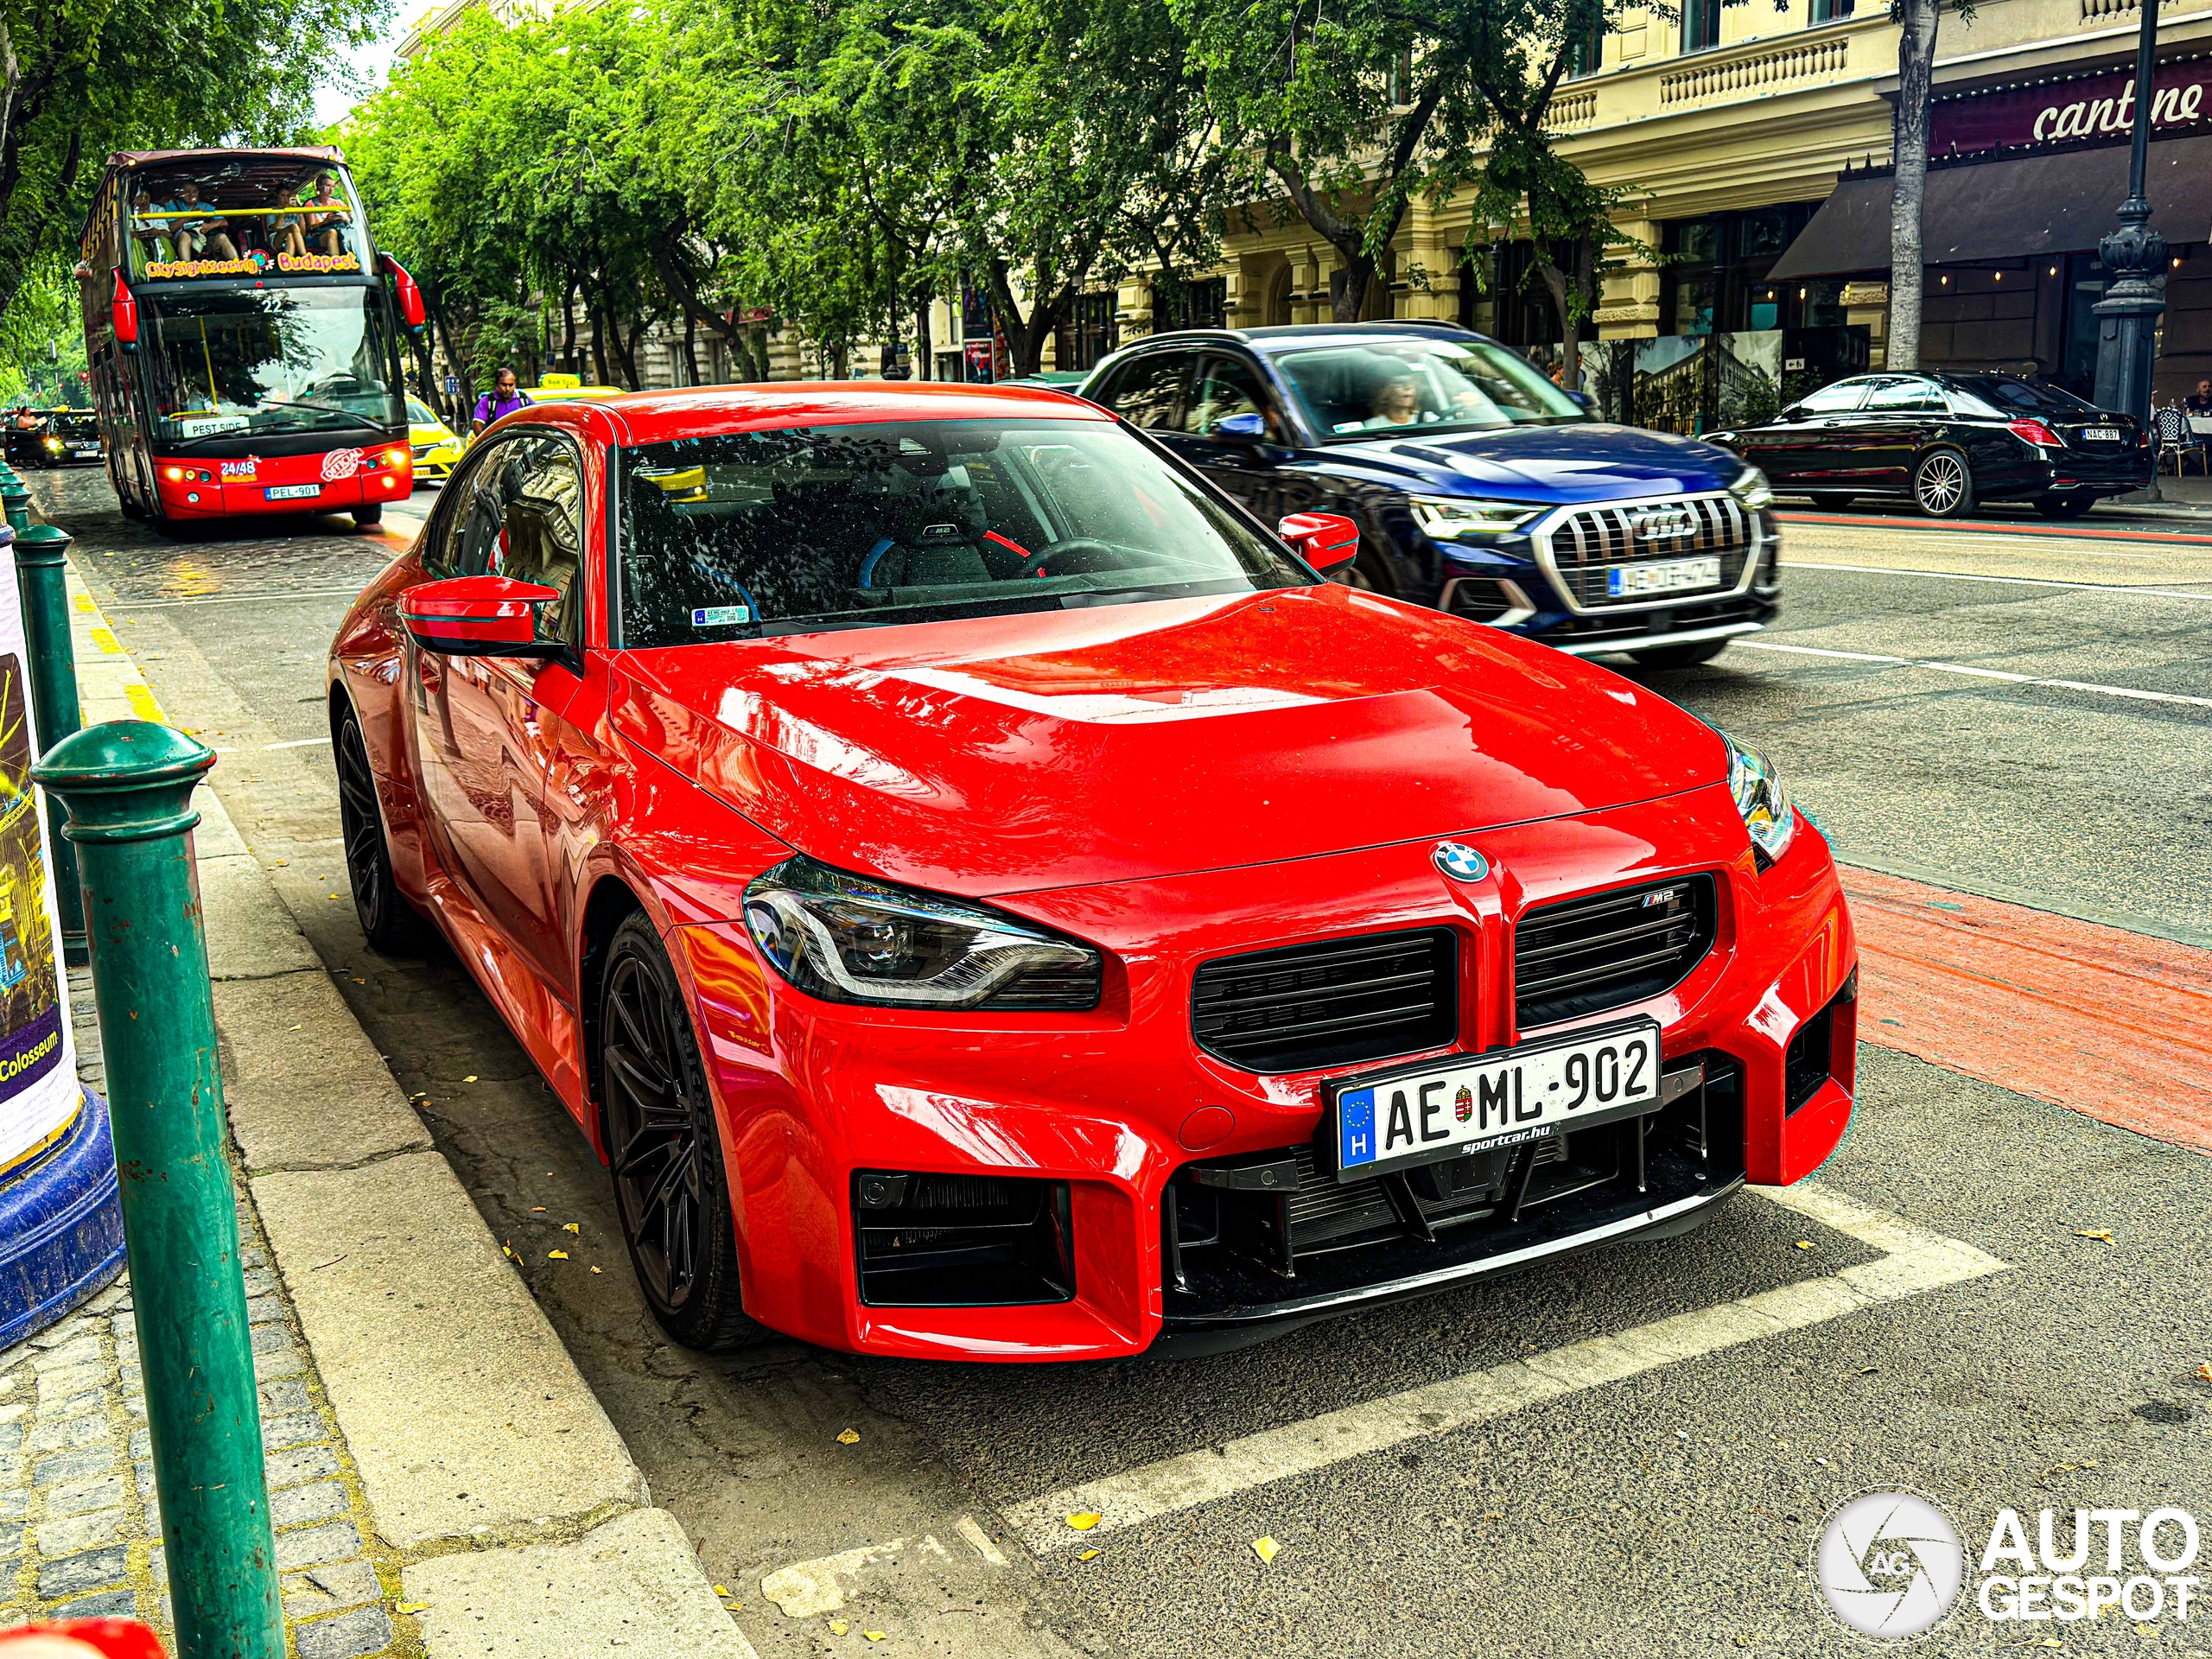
1945	441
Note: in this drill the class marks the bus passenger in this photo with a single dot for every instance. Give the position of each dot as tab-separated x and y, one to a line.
198	233
153	232
285	231
327	217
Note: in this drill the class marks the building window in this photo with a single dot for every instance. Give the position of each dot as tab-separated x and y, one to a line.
1203	304
1589	54
1714	278
1831	11
1700	25
1088	334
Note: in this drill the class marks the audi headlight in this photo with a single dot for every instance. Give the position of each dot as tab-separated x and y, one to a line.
1768	815
849	938
1751	489
1446	516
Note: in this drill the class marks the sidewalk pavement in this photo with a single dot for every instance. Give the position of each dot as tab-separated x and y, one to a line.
443	1481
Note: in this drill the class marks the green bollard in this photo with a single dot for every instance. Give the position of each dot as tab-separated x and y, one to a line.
40	576
128	786
16	501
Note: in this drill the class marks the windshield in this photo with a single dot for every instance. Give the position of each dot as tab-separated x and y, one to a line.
807	528
1391	385
272	360
2001	394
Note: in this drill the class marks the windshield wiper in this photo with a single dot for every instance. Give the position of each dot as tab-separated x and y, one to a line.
357	419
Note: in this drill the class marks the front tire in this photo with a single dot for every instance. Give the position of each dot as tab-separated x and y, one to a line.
1942	484
388	921
2072	504
1664	657
369	515
672	1190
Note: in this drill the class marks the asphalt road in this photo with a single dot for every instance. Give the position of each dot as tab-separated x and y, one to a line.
1668	1509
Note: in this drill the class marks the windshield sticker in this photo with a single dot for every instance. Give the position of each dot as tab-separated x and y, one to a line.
314	262
162	268
720	616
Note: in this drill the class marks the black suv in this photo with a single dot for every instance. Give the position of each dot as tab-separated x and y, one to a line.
1478	486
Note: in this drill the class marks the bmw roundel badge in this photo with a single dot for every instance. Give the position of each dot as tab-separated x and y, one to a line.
1460	862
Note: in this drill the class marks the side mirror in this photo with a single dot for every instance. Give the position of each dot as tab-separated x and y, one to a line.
123	314
1250	426
1327	541
412	312
479	616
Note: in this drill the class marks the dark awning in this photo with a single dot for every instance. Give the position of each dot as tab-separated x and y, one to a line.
2025	204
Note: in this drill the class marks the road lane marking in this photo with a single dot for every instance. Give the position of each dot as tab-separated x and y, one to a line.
2000	526
2134	692
1995	991
1915	1262
1796	564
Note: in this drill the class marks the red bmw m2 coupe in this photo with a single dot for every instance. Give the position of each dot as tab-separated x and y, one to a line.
987	896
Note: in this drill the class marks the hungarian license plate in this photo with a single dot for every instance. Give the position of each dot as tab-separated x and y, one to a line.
2102	434
1662	576
290	492
1443	1109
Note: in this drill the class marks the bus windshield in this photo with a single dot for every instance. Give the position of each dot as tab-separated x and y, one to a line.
271	361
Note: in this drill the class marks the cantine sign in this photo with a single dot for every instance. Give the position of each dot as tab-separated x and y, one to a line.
2071	110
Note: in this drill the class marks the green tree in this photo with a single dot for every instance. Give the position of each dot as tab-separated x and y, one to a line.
81	78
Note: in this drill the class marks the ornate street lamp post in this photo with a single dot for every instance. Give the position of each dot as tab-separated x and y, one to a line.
2128	316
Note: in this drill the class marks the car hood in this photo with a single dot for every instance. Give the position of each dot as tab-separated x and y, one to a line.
1545	465
1018	754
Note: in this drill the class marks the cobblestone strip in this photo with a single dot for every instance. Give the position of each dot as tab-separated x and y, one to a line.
80	1524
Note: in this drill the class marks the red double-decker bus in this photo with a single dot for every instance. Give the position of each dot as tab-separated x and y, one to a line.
244	336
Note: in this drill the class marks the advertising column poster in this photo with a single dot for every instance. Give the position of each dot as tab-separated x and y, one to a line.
38	1094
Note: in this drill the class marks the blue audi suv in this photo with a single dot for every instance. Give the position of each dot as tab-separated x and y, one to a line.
1479	487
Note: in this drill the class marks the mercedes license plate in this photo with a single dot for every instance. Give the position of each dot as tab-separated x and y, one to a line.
1662	576
1444	1108
2102	434
290	492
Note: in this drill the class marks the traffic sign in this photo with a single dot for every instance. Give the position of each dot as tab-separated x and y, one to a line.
453	385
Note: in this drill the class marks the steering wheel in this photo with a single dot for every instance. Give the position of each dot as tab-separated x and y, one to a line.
1104	555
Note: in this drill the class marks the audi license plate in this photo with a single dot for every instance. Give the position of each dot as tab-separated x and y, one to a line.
2102	434
1662	576
1426	1113
290	492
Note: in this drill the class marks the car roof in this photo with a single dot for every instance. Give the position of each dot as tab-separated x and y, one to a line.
700	412
1279	338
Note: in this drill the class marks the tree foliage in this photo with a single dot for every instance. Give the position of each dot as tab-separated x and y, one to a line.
81	78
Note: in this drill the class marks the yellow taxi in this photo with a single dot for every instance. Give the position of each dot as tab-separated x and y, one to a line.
436	447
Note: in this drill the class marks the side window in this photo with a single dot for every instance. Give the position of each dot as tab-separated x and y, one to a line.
1149	391
446	547
1834	400
541	527
1908	398
1228	386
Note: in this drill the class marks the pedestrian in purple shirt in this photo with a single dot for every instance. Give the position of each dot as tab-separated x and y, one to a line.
502	399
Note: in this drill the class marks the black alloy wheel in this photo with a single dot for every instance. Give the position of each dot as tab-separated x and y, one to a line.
1942	484
388	921
1832	501
2069	503
671	1192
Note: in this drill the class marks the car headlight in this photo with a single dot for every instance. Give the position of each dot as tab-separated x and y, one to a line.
54	444
1751	489
850	938
1446	516
1760	797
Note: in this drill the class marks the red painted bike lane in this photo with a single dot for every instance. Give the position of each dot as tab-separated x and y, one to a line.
2107	1022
